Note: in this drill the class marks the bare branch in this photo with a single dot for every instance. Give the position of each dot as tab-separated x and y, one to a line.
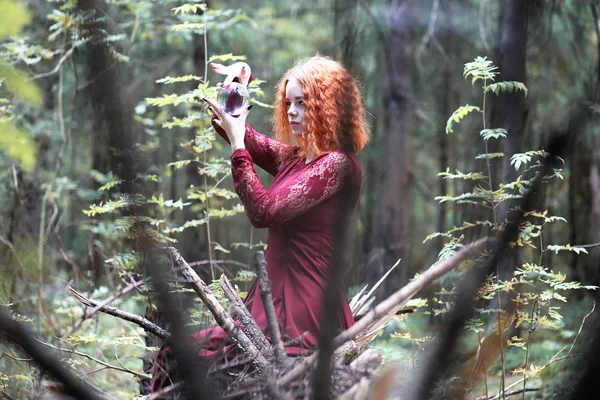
87	315
264	285
115	312
248	323
380	314
221	316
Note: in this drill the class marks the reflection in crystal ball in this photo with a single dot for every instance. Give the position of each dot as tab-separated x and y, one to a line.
233	98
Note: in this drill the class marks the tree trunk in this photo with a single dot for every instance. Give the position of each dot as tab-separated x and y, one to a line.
393	224
512	112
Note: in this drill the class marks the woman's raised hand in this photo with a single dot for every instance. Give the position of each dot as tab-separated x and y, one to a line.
239	70
234	127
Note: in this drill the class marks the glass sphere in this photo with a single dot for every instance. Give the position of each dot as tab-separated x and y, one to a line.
233	98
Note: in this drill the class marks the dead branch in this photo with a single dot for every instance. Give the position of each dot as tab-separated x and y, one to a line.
246	321
264	285
87	315
380	314
221	316
124	315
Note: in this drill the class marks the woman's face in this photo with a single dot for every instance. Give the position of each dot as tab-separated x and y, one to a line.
294	100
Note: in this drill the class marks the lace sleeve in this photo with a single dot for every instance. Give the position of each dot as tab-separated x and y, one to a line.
266	208
264	151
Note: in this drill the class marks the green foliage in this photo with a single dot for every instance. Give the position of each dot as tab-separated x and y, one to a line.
480	69
497	133
459	114
509	87
537	291
14	17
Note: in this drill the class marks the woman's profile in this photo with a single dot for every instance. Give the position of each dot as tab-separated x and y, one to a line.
320	126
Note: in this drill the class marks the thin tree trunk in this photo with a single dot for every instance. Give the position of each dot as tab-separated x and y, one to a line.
393	225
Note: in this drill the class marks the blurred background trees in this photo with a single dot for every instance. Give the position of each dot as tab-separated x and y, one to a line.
99	139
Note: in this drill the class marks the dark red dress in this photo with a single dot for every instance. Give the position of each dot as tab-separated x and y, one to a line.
300	209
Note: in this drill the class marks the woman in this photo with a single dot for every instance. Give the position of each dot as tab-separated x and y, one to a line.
320	126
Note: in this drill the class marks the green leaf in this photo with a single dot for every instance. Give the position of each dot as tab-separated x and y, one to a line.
226	57
18	84
220	248
186	78
18	145
460	175
507	86
110	185
14	17
496	133
480	69
459	114
566	247
489	156
189	9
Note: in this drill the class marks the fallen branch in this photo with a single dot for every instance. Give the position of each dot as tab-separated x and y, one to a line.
221	316
380	314
246	321
264	285
124	315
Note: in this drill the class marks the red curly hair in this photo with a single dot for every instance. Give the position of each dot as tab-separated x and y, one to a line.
334	117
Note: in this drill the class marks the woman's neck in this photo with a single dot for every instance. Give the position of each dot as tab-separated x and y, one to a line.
309	157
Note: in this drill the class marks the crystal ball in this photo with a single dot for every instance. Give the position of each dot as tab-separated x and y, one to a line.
233	98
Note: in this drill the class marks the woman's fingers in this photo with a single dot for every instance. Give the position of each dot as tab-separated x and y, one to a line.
215	106
244	114
239	70
218	68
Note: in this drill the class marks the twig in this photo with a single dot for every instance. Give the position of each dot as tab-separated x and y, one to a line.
246	321
264	285
136	319
6	395
159	394
105	364
87	315
510	393
58	65
15	358
378	316
232	262
430	30
221	316
72	385
482	32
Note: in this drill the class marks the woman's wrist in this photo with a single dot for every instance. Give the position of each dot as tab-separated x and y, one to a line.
236	145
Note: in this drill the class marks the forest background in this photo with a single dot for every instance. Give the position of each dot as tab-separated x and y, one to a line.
105	143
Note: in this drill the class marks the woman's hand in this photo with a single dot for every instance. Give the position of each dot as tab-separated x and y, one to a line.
238	70
234	127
